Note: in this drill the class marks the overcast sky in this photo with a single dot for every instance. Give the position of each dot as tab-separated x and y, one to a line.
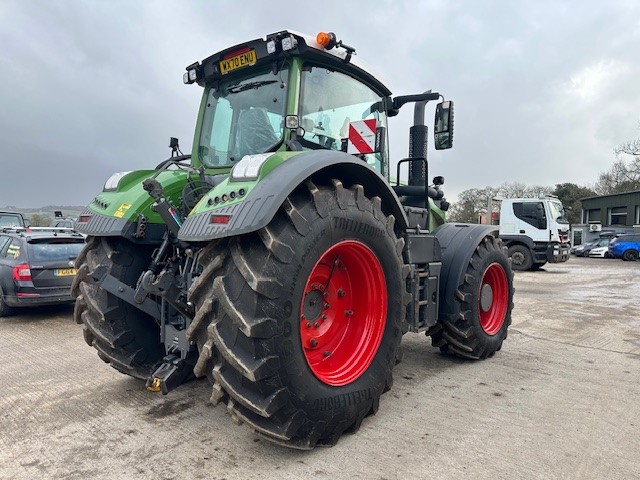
543	90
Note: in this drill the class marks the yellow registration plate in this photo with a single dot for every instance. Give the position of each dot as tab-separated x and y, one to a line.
64	272
243	59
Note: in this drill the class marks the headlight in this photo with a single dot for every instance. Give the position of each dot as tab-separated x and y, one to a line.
114	180
248	167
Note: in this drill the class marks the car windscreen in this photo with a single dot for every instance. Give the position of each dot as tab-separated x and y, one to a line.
54	250
10	221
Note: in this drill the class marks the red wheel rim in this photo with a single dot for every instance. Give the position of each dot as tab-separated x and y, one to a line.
493	298
343	313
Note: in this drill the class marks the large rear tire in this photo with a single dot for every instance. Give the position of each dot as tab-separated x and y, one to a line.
299	324
630	255
486	301
123	335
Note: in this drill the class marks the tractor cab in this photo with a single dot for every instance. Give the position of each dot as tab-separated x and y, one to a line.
292	92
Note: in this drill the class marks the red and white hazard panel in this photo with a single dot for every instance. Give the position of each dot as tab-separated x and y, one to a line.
362	136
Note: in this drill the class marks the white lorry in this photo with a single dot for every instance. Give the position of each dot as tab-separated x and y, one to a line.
535	230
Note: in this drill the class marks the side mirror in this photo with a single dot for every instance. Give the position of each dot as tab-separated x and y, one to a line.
443	126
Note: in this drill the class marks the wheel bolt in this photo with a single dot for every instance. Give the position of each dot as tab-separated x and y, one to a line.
324	317
313	343
317	325
327	353
341	293
348	312
326	305
308	325
302	317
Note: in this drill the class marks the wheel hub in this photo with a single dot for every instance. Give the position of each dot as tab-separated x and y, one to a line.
486	297
312	305
517	258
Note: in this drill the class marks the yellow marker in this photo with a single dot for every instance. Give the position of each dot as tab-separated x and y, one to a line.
155	385
122	209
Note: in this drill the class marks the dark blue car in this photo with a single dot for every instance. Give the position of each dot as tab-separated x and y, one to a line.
626	247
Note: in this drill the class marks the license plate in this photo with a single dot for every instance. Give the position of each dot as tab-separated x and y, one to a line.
64	272
243	59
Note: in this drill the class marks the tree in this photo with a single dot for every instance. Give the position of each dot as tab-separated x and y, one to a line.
471	204
624	174
570	195
40	220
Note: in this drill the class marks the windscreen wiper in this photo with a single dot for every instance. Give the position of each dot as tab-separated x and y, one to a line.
248	86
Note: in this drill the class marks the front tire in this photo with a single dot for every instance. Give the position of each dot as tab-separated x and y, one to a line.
299	325
486	301
123	335
521	257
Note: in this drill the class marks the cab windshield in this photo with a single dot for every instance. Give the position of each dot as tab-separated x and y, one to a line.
557	212
243	117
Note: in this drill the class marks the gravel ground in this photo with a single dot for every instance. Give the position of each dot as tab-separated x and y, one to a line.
560	400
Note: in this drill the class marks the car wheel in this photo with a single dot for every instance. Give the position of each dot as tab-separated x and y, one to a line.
630	256
5	310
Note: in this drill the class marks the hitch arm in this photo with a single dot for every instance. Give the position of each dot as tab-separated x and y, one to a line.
103	278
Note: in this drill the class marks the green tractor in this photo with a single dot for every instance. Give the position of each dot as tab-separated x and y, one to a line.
278	259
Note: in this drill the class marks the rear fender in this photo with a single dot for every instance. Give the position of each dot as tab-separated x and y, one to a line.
263	201
458	241
116	212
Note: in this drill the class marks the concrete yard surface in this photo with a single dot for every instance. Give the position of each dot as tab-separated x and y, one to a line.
560	400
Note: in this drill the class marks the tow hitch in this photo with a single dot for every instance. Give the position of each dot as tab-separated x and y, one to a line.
173	315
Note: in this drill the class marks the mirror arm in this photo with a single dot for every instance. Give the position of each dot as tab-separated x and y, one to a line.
420	99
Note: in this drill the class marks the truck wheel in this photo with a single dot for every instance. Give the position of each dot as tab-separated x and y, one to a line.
486	301
538	266
521	258
630	256
299	325
123	335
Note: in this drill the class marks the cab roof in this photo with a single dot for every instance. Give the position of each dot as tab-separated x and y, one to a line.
303	45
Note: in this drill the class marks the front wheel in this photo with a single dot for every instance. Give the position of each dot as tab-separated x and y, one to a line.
299	325
486	301
521	257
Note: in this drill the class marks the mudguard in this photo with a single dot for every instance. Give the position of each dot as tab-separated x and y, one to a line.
263	201
458	241
117	212
523	239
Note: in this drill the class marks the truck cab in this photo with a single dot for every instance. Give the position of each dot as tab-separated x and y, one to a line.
535	230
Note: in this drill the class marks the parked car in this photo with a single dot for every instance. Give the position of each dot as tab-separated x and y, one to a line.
579	250
626	247
36	267
603	242
12	219
61	221
602	252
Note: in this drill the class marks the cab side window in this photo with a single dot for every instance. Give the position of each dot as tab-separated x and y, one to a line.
531	212
329	102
